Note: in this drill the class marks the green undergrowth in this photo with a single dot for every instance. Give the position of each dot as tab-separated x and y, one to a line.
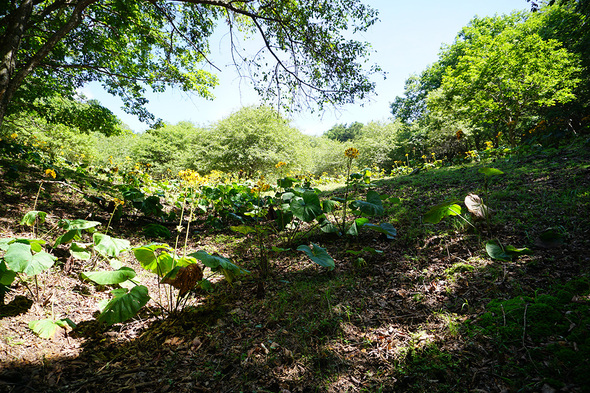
549	329
375	313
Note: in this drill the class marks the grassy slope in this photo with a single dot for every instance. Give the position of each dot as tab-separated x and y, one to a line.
431	313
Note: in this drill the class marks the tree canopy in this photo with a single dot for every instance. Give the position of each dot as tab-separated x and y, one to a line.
506	74
505	78
129	46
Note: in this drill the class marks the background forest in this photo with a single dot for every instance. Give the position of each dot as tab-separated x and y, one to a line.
511	80
442	250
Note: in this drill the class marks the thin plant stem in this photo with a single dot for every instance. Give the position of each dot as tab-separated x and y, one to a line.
35	204
346	194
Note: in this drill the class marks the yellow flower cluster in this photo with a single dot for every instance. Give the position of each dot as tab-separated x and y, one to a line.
280	164
261	185
50	173
351	153
191	177
489	145
118	202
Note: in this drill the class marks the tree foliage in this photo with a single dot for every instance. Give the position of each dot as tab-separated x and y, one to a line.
344	132
251	140
54	47
504	74
507	78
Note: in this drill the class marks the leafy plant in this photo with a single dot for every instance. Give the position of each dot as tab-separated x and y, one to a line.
23	256
504	253
318	255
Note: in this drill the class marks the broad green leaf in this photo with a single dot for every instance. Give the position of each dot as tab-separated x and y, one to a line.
20	259
109	246
46	328
218	263
353	230
162	264
326	226
286	182
5	242
329	205
124	305
36	244
517	251
306	208
490	171
495	251
440	211
80	252
385	228
147	254
78	224
157	231
372	206
243	229
318	255
30	218
361	221
110	277
6	276
155	258
67	237
287	196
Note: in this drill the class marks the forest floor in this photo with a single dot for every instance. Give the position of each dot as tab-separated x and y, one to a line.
430	312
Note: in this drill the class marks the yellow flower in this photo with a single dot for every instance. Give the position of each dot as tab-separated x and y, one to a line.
489	145
261	185
13	135
50	173
280	164
118	202
191	176
351	153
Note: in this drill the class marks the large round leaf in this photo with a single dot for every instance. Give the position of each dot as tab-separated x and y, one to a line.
318	255
490	171
306	208
218	263
20	259
385	228
32	216
78	224
110	277
372	206
124	305
438	212
109	246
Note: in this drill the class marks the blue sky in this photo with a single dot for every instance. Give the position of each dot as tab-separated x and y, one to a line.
407	39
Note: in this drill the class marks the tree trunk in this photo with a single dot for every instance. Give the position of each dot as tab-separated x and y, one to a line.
16	24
